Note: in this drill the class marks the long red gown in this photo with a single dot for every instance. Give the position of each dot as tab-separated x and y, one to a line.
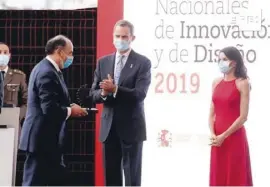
230	163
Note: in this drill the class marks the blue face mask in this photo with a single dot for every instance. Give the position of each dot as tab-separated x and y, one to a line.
224	66
121	45
68	62
4	59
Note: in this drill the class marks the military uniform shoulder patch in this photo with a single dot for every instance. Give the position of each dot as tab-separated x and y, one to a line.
18	71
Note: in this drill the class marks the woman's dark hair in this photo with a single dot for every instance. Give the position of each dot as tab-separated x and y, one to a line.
232	53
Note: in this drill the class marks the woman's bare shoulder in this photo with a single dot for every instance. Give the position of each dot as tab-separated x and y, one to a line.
216	81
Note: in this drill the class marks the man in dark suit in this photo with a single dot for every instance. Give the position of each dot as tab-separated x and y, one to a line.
49	107
121	82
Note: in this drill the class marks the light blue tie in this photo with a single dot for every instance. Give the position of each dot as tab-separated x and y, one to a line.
118	69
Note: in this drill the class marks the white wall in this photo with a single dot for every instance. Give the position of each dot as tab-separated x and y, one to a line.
185	114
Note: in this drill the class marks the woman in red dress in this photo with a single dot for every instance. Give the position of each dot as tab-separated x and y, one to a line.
230	160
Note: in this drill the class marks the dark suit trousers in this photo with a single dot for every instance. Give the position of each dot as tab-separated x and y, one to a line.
43	170
118	156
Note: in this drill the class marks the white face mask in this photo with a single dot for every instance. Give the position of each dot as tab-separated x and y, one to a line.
4	59
121	45
224	66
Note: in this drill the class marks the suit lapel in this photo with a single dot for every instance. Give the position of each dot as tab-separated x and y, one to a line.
111	65
65	90
64	86
127	68
61	81
8	77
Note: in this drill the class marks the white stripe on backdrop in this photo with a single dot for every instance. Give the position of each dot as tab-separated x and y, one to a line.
47	4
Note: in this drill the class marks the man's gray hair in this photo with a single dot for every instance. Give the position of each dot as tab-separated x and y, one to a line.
56	42
125	23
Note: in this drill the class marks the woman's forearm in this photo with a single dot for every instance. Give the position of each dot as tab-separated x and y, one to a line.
211	124
238	123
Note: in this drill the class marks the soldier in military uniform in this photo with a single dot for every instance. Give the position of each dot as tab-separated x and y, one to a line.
15	87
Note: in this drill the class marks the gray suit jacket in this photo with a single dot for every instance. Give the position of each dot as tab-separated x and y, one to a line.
126	110
1	90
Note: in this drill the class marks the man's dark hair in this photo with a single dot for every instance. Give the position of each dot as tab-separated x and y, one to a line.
55	43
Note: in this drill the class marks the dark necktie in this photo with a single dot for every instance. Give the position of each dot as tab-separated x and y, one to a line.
61	75
3	74
64	84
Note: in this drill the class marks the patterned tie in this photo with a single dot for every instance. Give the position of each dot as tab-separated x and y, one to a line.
118	69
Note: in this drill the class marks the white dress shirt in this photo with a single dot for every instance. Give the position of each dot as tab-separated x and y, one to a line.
58	69
124	61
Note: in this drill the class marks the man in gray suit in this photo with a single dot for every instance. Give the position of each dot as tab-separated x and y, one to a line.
121	82
1	90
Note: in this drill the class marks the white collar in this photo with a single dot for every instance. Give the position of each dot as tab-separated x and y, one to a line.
125	54
53	63
5	70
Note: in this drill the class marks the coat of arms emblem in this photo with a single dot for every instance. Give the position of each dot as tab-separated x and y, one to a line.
164	138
